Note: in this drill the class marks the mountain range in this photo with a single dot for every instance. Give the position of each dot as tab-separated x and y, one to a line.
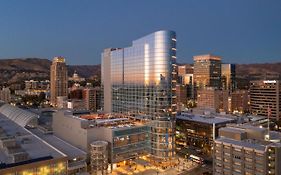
20	69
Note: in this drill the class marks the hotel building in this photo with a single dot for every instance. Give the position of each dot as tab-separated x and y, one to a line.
59	79
141	80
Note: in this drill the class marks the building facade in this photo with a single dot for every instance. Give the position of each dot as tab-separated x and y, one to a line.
141	80
265	95
207	71
240	101
244	150
59	79
214	99
92	98
228	74
198	131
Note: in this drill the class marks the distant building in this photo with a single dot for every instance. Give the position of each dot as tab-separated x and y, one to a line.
240	101
207	71
213	98
228	77
92	98
61	102
264	95
5	95
36	85
246	149
182	98
181	92
59	79
76	104
76	78
185	69
199	131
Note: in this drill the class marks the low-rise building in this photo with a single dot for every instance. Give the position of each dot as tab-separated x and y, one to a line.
199	131
21	152
24	149
213	98
126	137
245	149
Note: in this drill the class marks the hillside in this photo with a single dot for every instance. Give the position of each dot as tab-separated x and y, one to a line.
255	70
18	70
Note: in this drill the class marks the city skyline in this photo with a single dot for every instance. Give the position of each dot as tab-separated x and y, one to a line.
46	29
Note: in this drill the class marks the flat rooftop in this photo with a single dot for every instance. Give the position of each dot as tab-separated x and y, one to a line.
244	143
26	142
66	148
110	120
207	119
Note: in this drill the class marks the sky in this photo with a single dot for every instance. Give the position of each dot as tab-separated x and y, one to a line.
240	31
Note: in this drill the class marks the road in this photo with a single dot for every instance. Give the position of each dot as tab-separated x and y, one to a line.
199	170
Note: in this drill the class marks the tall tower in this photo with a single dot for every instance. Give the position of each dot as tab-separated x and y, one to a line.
59	79
228	74
141	80
207	71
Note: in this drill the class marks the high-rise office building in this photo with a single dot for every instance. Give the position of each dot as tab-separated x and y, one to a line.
59	79
228	74
265	95
247	150
141	80
207	71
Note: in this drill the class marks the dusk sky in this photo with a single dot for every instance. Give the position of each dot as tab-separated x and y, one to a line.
241	31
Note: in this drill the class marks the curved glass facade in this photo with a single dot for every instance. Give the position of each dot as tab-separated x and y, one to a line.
142	80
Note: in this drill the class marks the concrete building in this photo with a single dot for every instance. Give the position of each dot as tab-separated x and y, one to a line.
25	149
141	79
127	137
23	153
244	149
199	131
207	71
228	77
92	98
266	94
240	101
213	98
59	79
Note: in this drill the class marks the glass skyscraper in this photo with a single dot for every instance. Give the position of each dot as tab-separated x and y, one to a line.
140	80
